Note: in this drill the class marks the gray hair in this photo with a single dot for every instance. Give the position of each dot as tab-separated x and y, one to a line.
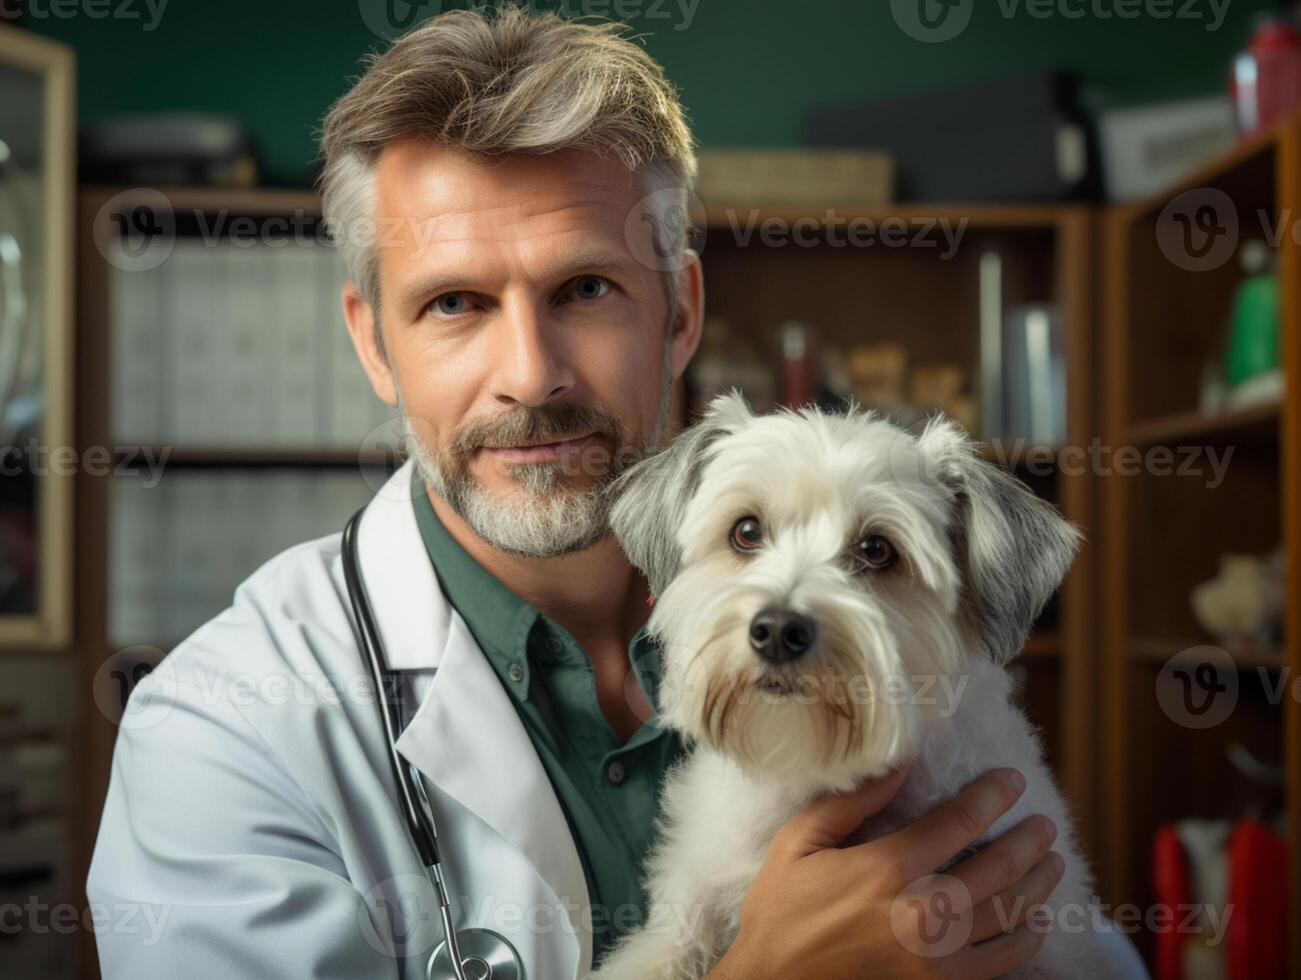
509	82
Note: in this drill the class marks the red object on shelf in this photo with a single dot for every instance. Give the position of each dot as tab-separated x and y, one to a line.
1170	883
1266	82
1257	929
797	365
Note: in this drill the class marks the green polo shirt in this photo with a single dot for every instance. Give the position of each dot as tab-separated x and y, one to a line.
608	789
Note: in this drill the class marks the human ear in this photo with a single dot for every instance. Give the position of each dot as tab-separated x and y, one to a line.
364	331
687	322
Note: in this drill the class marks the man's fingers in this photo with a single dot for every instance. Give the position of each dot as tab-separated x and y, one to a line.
1001	863
828	821
1000	955
935	838
1010	908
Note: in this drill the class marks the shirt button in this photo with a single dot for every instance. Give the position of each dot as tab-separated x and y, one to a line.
553	644
515	672
615	773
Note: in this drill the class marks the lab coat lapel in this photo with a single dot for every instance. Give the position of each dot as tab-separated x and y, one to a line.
466	736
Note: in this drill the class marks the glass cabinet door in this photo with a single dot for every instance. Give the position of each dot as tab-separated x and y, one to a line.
37	459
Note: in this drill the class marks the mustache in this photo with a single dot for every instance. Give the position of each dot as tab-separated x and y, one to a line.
545	423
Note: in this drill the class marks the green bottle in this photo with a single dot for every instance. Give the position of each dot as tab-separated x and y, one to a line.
1253	321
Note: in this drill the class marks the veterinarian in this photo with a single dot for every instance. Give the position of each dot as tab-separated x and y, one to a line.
507	195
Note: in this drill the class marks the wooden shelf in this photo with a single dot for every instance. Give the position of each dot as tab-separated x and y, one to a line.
1246	152
1042	646
1158	652
1257	424
271	457
276	201
725	217
721	217
1164	318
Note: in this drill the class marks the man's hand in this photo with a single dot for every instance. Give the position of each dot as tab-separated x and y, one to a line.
817	909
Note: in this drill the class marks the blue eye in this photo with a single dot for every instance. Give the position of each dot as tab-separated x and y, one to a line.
590	287
450	304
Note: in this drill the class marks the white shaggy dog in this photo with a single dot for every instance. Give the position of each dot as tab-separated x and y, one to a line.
834	597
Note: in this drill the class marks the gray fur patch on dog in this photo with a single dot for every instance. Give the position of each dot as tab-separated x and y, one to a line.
650	497
1014	548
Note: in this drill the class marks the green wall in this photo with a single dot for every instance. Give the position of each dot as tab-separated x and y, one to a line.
747	69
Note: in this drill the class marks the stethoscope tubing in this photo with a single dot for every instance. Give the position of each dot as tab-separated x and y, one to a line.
415	803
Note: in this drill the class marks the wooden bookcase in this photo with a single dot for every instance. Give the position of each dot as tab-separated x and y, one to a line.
1167	301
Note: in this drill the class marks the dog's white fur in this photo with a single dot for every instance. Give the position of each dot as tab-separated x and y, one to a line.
908	662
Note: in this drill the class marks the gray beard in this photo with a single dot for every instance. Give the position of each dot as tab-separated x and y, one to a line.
541	517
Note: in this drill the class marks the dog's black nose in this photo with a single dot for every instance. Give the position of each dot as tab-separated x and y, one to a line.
779	635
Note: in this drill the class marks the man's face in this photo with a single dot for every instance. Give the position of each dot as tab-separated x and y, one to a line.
530	351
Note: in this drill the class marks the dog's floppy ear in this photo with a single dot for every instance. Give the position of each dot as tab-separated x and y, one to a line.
650	497
1012	547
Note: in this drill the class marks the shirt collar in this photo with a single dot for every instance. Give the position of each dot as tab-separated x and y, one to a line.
499	620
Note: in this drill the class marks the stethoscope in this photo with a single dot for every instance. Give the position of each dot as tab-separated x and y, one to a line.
470	954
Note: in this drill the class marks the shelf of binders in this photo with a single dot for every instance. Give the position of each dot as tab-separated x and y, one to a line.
242	347
215	370
220	456
215	336
1164	530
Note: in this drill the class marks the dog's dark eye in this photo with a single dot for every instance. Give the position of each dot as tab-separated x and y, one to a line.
746	534
876	552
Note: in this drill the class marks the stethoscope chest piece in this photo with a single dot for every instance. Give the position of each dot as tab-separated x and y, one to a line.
485	955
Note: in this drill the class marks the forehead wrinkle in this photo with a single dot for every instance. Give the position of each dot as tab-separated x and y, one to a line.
506	223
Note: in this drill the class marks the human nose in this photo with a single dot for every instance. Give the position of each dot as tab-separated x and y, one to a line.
531	366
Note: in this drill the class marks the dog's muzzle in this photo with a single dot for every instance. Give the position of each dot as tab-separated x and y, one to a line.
781	635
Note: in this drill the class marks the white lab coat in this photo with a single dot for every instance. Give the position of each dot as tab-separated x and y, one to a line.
251	827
